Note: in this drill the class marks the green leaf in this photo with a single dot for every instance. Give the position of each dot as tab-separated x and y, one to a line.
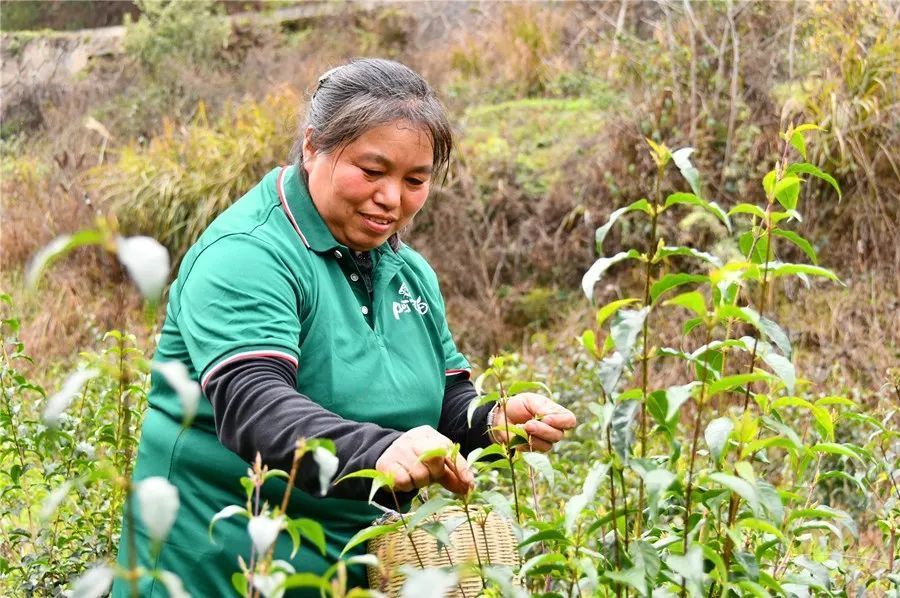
787	190
633	577
783	368
225	513
805	168
759	525
621	429
664	252
311	530
429	508
731	382
692	300
640	205
542	560
777	335
690	567
682	159
540	463
786	269
305	580
716	435
708	206
548	534
799	143
768	183
671	281
626	327
799	241
820	414
579	502
478	402
657	481
836	449
661	154
611	308
748	208
610	372
369	533
676	396
56	249
520	386
596	271
741	487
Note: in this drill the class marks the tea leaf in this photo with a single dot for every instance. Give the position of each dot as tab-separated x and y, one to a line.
633	577
692	300
671	281
305	580
626	328
785	269
777	335
747	208
787	190
759	525
188	391
690	567
799	143
94	582
709	206
740	487
664	252
225	513
173	585
610	372
429	508
370	533
734	381
783	368
263	531
621	429
640	205
682	159
158	504
57	248
542	560
59	401
595	272
579	502
768	183
676	396
805	168
327	463
799	241
661	153
311	530
147	263
716	435
541	464
657	481
836	449
611	308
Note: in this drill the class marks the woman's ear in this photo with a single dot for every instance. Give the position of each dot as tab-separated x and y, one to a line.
309	151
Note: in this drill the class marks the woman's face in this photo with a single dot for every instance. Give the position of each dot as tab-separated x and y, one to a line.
374	187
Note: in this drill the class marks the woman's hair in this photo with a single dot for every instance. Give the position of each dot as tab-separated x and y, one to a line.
370	92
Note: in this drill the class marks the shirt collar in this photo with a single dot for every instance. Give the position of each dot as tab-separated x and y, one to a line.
305	218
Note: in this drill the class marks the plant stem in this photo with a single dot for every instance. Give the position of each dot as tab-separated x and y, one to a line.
132	545
645	357
474	541
615	517
299	451
509	457
694	441
408	531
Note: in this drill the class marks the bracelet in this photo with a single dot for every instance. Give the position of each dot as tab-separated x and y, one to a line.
490	423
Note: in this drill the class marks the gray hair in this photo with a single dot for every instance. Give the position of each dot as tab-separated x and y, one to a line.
370	92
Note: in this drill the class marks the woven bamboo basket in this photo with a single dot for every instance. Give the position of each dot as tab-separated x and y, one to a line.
495	541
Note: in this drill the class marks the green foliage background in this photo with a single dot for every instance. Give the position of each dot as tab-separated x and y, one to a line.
552	104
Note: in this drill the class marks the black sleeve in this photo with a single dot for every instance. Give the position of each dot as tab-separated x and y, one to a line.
258	409
454	423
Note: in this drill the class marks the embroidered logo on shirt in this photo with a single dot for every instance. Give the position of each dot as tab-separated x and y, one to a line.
407	304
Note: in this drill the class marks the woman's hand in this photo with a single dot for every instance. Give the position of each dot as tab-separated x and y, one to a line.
401	459
543	420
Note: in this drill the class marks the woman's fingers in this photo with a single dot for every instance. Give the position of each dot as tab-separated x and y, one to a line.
402	459
541	430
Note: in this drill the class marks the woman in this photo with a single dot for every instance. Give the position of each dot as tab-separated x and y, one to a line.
302	314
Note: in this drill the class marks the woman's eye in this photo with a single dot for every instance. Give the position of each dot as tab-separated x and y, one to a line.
371	173
416	182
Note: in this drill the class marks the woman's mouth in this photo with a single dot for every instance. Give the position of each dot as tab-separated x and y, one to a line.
377	224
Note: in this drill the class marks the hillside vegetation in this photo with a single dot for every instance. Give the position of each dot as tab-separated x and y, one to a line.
785	364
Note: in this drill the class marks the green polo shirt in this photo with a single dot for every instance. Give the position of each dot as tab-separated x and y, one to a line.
268	279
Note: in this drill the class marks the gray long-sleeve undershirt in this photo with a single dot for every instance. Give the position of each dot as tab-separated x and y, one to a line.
258	409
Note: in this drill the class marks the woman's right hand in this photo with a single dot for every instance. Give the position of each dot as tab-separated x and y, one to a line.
401	460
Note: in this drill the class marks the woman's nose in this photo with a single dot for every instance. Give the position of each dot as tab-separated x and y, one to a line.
388	193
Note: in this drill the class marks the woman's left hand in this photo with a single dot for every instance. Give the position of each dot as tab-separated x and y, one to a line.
543	420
